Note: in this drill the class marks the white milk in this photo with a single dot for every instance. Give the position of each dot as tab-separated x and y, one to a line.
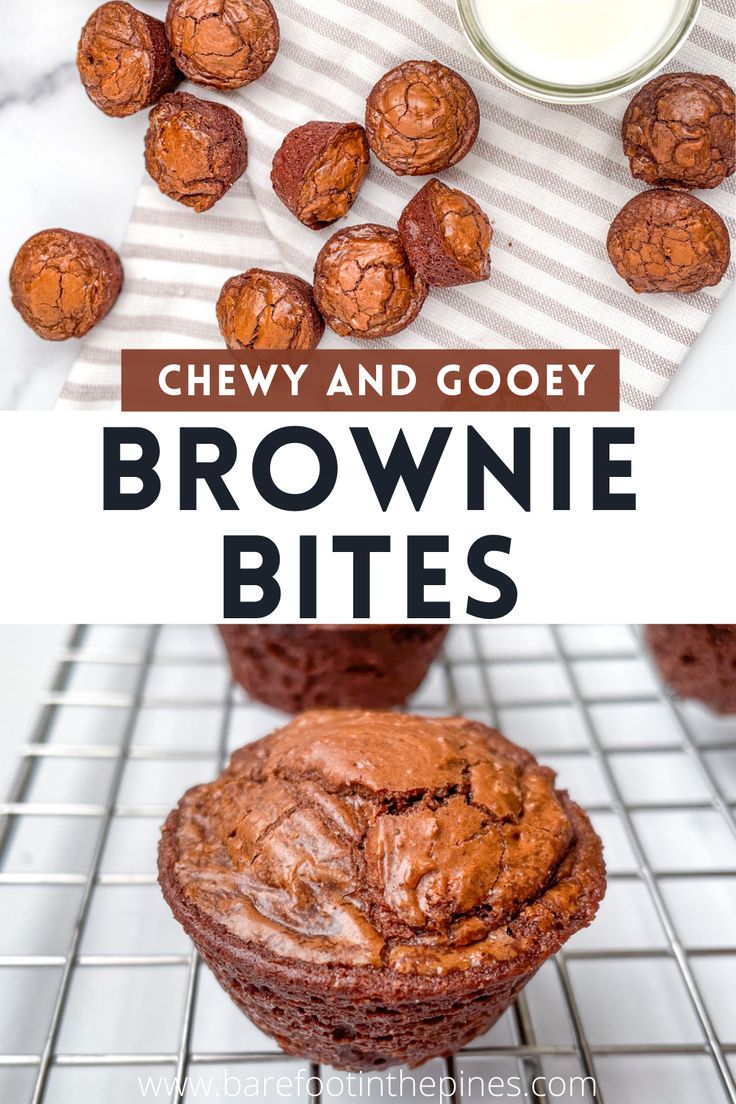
576	42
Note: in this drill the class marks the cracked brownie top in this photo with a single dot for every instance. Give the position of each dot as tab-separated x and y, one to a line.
318	169
359	838
223	43
195	149
421	118
664	240
124	59
268	310
678	131
364	285
63	283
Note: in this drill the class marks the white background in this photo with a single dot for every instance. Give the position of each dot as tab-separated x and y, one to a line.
55	178
670	560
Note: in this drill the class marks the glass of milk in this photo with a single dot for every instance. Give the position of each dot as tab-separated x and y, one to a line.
576	51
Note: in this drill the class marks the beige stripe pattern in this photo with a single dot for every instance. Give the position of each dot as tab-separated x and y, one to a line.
550	177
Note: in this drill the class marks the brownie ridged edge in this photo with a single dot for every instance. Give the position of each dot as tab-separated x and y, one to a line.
296	667
698	662
429	252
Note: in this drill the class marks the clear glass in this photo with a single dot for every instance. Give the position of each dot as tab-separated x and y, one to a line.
682	24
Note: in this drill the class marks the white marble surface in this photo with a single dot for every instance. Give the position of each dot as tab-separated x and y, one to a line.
67	164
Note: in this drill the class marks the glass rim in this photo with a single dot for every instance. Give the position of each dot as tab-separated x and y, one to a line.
574	93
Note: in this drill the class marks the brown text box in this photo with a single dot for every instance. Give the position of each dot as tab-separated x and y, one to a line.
481	379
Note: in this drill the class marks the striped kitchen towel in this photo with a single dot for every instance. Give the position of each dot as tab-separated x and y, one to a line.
550	177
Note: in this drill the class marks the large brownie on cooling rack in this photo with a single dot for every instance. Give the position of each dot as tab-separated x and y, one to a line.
375	888
295	667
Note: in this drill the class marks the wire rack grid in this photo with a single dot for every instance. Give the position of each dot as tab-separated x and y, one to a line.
100	990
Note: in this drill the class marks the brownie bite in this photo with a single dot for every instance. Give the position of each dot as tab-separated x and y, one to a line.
421	117
665	240
124	59
294	667
446	235
223	43
364	284
195	149
63	283
268	310
376	888
318	169
678	131
697	661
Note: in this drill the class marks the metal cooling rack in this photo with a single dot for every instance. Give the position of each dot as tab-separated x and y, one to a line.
98	985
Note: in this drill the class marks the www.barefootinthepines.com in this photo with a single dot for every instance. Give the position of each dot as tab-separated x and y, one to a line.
304	1085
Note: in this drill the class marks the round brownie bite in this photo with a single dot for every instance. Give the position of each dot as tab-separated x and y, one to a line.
318	169
678	131
124	59
665	240
294	667
364	285
446	235
268	310
376	888
421	117
63	283
697	661
223	43
195	149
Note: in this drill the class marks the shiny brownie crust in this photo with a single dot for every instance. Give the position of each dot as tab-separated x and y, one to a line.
364	284
259	309
223	43
678	131
124	60
195	149
295	667
63	283
669	241
421	118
